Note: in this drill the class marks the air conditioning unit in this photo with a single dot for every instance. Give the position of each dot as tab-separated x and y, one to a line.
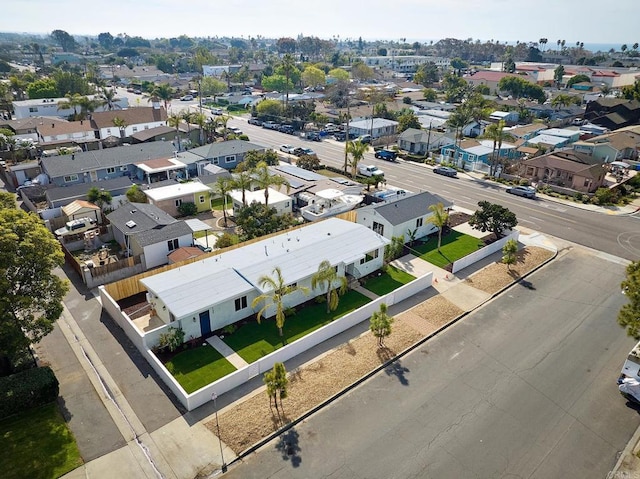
131	224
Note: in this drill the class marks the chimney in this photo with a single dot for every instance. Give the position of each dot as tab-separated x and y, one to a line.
53	125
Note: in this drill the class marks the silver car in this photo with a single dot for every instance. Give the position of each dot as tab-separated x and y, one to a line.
446	171
525	191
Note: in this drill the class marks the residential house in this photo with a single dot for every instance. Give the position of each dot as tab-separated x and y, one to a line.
616	146
433	119
49	107
613	113
406	217
526	132
555	138
99	165
185	253
23	172
226	154
404	63
55	133
376	127
145	230
134	120
165	133
475	155
420	142
488	78
27	128
568	169
82	209
218	290
170	198
57	197
278	200
509	117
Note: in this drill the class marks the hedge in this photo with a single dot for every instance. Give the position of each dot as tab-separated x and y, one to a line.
27	390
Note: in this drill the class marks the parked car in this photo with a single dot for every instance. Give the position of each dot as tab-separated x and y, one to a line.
526	191
365	139
304	151
313	136
288	129
270	125
217	111
187	98
388	155
288	149
235	130
446	171
341	135
255	121
76	226
370	170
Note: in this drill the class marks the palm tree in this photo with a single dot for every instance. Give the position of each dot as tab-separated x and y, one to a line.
108	98
162	92
635	46
174	122
264	179
200	119
87	107
496	132
624	48
222	121
356	149
242	181
327	276
71	101
605	89
439	218
120	124
561	100
224	184
288	64
275	290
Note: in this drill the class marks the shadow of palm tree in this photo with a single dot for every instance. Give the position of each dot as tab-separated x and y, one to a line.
289	447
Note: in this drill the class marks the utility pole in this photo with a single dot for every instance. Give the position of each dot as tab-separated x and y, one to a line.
346	136
429	138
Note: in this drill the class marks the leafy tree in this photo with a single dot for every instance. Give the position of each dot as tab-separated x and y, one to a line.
483	89
30	293
629	315
356	149
98	196
521	88
360	71
339	74
276	382
494	218
326	278
254	157
430	94
269	107
43	88
458	64
224	184
66	41
577	79
632	92
105	40
188	208
128	52
314	77
439	217
380	324
558	74
227	239
121	125
277	83
257	220
163	92
408	119
382	52
427	74
286	45
509	251
455	88
275	289
7	200
136	195
210	86
265	180
242	181
308	162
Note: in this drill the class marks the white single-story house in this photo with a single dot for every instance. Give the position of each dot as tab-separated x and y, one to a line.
509	117
421	142
377	128
280	201
170	198
210	294
407	217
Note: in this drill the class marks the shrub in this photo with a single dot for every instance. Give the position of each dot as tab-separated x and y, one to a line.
187	209
406	100
222	102
26	390
236	108
172	339
230	328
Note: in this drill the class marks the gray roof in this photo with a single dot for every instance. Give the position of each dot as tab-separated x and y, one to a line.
84	161
152	225
409	207
74	192
226	148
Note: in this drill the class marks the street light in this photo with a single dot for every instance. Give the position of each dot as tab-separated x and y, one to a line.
214	396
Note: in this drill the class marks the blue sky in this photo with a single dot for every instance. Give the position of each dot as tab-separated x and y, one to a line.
589	21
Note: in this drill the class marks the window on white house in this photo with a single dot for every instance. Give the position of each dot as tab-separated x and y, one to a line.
418	222
241	303
173	244
33	109
370	256
378	228
108	131
216	161
135	128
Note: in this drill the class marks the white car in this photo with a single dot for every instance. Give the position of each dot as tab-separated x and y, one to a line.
235	130
187	98
287	149
76	226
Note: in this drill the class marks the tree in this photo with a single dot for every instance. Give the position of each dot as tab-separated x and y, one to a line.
629	314
105	40
339	74
7	200
98	197
120	124
288	65
210	86
254	157
496	133
509	251
577	79
108	98
394	249
521	88
558	74
458	65
71	83
308	162
380	324
427	74
242	181
439	217
66	41
430	94
275	289
227	239
631	92
257	220
265	180
30	293
276	382
562	100
360	71
314	77
286	45
136	195
223	185
71	101
455	88
624	47
162	92
326	278
356	149
269	107
494	218
408	119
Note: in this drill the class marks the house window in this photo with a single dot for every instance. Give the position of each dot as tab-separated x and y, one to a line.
108	131
124	168
587	183
216	161
418	222
378	228
146	127
135	128
370	256
286	205
293	285
173	244
111	170
70	178
241	303
230	159
201	198
178	202
33	109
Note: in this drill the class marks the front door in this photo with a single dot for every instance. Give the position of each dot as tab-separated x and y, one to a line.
205	323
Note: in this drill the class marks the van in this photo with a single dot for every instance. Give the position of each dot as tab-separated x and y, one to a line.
76	226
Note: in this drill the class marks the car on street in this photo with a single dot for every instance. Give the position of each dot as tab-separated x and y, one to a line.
313	136
288	129
288	149
217	111
270	125
305	152
341	135
76	226
186	98
365	139
370	170
388	155
525	191
255	121
446	171
235	130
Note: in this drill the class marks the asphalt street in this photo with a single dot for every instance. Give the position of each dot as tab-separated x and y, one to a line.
523	387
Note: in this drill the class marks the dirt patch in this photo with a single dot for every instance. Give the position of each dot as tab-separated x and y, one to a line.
245	423
457	218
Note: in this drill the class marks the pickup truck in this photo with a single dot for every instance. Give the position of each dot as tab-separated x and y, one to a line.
370	170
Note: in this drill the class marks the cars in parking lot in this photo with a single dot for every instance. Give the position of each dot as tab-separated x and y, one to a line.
525	191
388	155
255	121
365	139
288	148
446	171
304	152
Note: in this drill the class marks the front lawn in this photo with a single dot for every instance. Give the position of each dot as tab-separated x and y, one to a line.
217	204
389	280
37	444
197	367
252	341
455	245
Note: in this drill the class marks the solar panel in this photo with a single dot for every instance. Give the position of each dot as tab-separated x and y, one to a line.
300	172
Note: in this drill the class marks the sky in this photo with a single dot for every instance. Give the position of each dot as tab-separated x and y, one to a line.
588	21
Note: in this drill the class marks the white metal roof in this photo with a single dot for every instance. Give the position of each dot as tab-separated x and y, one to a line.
546	139
176	191
197	225
258	196
215	279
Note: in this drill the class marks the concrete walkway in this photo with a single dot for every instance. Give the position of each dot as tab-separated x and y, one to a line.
228	353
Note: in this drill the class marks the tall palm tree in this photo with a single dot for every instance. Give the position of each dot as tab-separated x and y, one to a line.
288	64
121	124
162	92
174	122
327	277
222	121
242	181
356	149
200	119
264	179
224	184
496	132
276	289
87	107
71	101
109	96
439	217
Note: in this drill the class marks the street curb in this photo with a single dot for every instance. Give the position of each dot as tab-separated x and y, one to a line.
386	364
